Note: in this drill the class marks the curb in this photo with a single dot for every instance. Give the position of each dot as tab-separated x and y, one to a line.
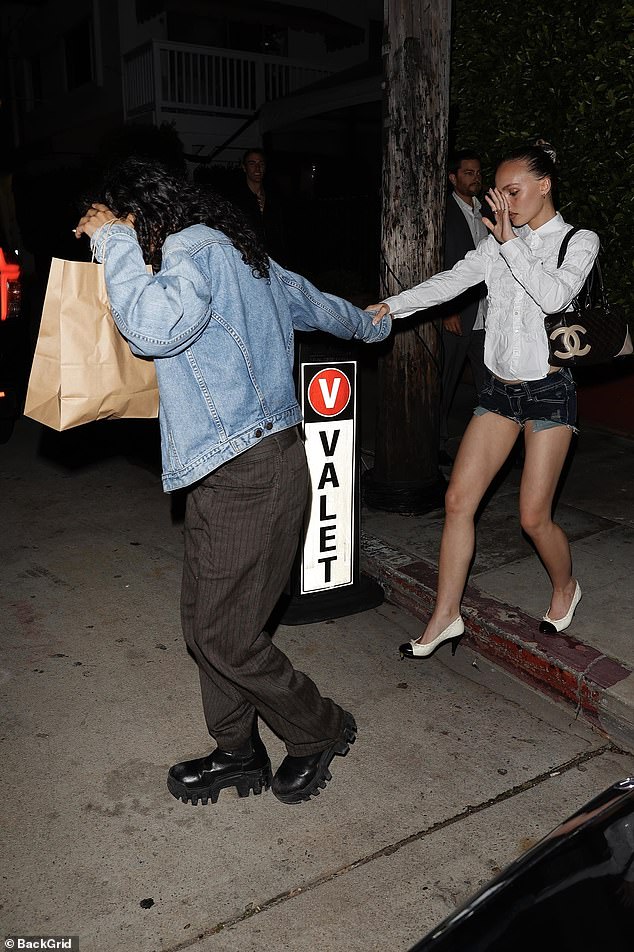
599	688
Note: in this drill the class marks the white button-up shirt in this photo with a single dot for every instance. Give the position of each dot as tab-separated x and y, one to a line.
523	284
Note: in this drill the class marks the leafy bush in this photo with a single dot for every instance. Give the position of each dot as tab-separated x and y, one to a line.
562	72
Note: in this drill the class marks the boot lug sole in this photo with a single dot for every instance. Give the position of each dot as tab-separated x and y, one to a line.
253	781
323	775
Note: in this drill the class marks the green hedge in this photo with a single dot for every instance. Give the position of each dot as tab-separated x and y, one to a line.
563	72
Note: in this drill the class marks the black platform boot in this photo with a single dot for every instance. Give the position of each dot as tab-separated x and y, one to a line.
247	769
300	778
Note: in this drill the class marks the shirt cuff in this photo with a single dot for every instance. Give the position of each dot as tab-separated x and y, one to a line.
515	249
394	306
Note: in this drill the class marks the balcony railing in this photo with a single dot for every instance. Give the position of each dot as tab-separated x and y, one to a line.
174	77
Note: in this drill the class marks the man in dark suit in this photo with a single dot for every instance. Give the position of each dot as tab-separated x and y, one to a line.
463	323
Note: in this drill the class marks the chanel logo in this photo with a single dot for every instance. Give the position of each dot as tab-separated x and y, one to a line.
571	341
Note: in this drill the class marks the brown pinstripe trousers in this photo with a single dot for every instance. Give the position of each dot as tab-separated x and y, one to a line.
242	527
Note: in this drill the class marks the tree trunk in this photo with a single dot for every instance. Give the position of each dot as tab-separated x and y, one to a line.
416	57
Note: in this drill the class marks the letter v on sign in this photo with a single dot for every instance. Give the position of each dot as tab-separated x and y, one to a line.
329	392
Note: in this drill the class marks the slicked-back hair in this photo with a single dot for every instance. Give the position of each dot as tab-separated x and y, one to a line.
163	203
539	162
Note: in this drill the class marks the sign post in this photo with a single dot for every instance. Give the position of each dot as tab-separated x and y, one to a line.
326	581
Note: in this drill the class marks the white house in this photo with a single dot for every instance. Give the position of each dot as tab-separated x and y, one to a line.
78	68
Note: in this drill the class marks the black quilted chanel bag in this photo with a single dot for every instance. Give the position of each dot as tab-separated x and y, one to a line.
592	332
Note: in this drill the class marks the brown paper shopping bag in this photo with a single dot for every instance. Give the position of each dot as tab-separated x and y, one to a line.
83	369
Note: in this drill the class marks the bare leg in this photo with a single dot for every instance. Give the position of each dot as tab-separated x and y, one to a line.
487	442
546	452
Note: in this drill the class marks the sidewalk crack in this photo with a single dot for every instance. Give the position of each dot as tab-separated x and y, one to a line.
256	908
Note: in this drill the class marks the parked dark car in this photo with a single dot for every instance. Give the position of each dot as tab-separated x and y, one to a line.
573	892
11	346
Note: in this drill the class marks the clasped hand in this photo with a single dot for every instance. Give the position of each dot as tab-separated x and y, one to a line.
379	311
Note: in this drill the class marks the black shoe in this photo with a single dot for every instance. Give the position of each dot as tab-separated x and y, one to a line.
248	770
300	778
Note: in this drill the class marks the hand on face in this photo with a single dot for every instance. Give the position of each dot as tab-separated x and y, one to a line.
96	216
502	230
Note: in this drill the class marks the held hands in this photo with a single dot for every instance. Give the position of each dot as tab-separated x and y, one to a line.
380	309
96	216
502	230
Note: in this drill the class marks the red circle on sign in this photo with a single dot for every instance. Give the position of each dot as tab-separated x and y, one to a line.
329	392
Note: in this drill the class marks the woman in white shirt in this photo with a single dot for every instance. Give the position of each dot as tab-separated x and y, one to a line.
518	262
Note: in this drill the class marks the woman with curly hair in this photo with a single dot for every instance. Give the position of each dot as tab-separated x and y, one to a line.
218	317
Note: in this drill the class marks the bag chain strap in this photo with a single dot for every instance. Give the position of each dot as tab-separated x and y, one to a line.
593	285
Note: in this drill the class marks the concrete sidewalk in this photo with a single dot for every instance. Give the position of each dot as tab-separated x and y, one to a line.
458	768
590	666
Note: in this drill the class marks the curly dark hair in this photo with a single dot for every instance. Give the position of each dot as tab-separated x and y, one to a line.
163	203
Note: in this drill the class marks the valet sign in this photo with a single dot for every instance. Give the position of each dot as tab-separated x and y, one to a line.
328	404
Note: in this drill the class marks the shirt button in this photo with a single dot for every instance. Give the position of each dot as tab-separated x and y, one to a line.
268	426
259	433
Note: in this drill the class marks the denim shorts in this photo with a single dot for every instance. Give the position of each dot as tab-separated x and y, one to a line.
551	401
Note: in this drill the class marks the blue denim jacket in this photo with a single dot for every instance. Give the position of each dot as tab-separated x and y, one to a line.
222	341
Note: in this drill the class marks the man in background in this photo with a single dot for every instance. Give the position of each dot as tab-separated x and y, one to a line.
463	326
262	206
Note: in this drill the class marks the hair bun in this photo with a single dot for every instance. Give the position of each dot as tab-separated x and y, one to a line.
548	148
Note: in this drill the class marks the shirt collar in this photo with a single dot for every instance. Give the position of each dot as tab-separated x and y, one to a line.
469	209
551	227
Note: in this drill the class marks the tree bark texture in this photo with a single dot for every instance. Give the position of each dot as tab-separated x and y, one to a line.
416	106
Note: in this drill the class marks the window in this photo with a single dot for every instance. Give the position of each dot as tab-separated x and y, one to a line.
79	55
257	38
244	35
274	40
